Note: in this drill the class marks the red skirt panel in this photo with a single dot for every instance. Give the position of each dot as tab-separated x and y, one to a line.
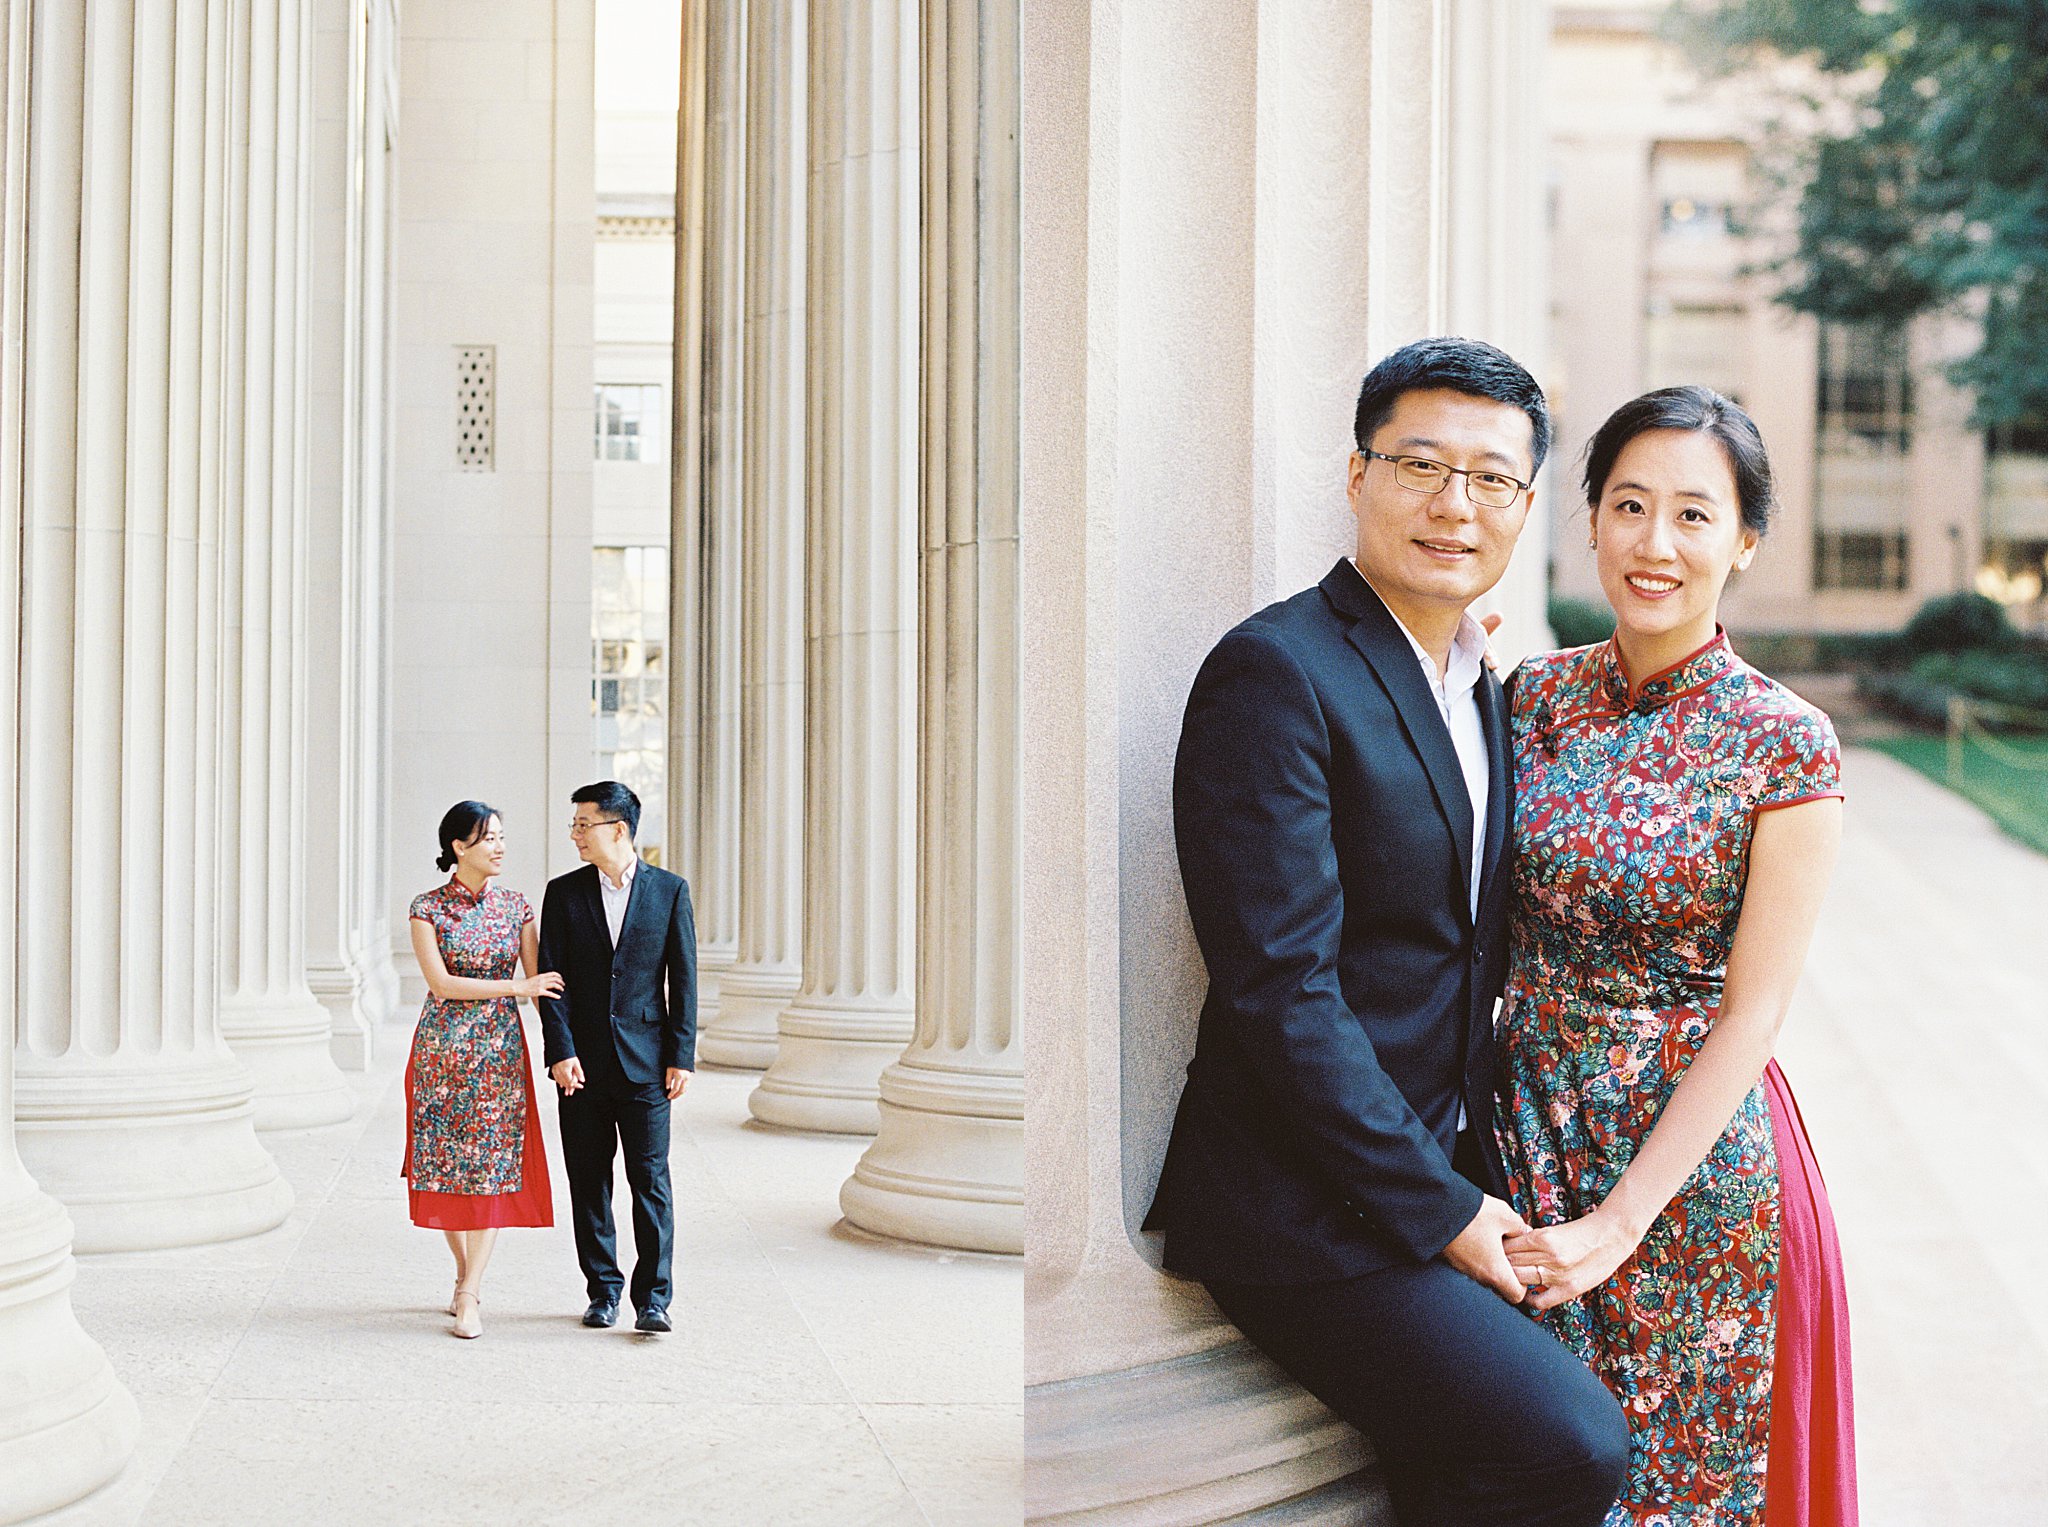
1810	1475
532	1205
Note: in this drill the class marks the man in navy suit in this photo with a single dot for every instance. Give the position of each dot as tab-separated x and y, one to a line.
1341	806
621	1042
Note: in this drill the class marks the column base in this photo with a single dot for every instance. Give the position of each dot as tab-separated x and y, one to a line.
341	991
947	1167
828	1068
66	1424
1219	1436
149	1156
743	1036
285	1045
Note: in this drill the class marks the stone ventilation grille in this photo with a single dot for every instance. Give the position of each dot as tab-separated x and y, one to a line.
476	376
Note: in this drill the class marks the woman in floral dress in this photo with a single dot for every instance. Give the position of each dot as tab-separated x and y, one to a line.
473	1154
1676	820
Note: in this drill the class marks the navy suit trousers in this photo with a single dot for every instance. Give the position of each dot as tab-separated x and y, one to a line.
607	1116
1479	1416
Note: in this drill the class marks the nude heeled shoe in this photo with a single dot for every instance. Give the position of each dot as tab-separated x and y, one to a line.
468	1326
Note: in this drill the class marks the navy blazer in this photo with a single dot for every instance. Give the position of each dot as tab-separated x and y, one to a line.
613	1000
1325	838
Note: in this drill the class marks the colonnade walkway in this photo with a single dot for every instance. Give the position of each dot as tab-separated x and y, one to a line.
815	1375
1918	1048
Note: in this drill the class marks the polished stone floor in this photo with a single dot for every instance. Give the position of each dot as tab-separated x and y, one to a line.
816	1375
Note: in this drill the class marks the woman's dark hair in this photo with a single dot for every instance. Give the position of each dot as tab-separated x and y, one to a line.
1470	366
1690	408
614	800
465	819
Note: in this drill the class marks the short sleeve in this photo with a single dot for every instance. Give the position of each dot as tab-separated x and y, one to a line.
522	907
422	907
1800	761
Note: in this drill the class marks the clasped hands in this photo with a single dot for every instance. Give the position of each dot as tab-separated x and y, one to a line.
1549	1266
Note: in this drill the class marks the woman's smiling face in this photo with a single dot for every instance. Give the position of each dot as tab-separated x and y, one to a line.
1668	531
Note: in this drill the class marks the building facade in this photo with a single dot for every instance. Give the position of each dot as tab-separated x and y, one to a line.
1662	224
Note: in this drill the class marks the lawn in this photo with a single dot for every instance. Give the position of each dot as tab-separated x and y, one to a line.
2015	797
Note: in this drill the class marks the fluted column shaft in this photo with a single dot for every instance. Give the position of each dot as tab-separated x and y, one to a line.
348	943
130	1109
707	539
852	1015
767	970
948	1164
66	1424
267	1009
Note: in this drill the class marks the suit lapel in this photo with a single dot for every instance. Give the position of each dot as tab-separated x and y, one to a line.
593	903
1379	639
1500	800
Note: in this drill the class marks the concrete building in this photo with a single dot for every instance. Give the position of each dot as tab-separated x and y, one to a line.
1659	222
1229	213
301	544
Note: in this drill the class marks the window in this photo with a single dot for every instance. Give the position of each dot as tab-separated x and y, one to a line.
1864	424
1865	387
1859	559
630	420
629	679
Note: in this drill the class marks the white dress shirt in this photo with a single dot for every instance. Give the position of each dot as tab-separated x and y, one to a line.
1457	700
616	896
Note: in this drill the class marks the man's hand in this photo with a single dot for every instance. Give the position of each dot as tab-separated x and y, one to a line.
1561	1262
1478	1252
568	1074
676	1080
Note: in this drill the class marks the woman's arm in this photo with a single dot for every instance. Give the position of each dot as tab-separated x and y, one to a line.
1790	860
426	949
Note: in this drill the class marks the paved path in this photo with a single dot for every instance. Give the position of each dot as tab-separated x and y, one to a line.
816	1375
1919	1052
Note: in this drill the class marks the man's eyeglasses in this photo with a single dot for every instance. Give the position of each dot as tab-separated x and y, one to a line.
1418	474
578	828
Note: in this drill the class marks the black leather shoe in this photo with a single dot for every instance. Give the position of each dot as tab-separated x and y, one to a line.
602	1313
653	1318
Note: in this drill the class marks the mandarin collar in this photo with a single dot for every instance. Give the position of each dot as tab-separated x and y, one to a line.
1688	675
464	893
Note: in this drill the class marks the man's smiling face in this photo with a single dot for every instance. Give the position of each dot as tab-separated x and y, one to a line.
1441	548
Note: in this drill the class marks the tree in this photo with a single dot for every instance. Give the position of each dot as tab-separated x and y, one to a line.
1935	196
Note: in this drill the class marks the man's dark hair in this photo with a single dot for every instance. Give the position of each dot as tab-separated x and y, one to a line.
614	800
1470	366
1690	408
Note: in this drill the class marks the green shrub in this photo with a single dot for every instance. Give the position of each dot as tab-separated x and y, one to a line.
2015	676
1578	623
1958	623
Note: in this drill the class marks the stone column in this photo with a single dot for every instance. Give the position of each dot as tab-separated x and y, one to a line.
852	1015
710	465
1496	255
348	955
1227	216
948	1164
267	1010
767	972
66	1424
129	1107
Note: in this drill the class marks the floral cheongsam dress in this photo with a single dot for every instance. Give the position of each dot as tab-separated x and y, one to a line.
1634	809
473	1153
